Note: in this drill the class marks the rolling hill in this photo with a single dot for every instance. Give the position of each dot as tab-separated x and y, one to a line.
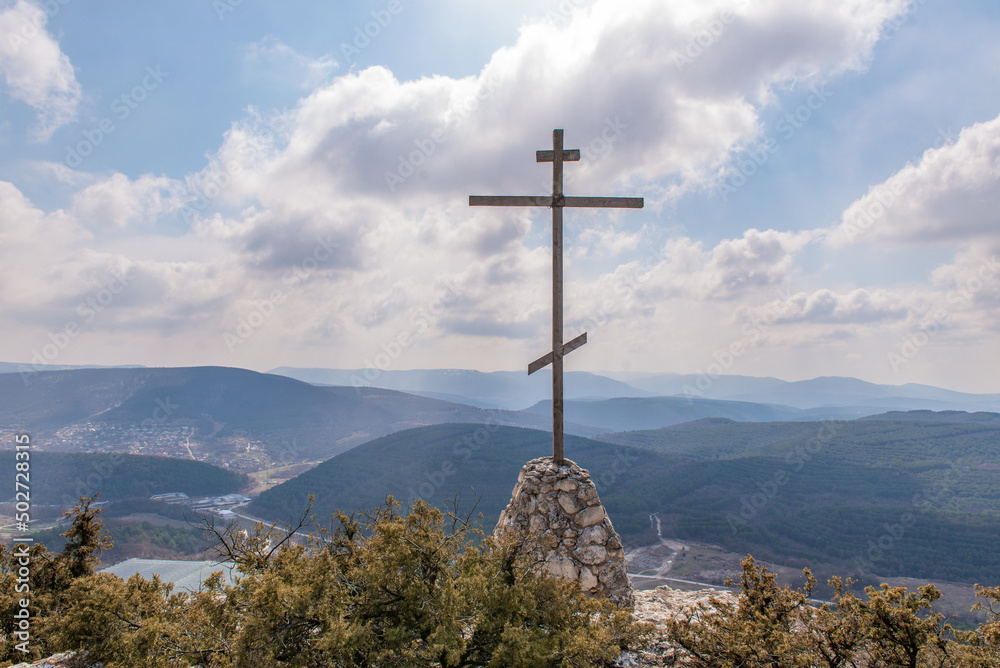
906	497
61	478
242	419
437	464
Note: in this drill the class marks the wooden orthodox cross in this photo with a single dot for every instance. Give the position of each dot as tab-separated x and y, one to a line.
557	201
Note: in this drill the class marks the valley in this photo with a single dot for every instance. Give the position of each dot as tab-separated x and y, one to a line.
692	484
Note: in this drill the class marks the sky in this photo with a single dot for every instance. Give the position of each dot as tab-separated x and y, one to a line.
258	184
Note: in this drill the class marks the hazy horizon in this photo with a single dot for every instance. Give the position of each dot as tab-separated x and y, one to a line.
21	367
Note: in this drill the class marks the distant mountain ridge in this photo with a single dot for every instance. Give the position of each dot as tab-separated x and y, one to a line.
824	391
652	413
235	417
515	390
512	390
253	421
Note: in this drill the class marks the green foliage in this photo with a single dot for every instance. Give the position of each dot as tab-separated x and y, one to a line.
755	630
775	627
143	540
50	580
982	648
426	588
381	589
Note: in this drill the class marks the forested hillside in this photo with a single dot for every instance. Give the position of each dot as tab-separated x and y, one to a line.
891	497
61	478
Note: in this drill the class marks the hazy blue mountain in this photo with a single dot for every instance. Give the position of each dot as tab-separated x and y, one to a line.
938	416
236	417
722	387
837	397
834	391
825	391
511	390
30	369
654	412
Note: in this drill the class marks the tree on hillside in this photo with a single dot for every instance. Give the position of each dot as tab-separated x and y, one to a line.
51	576
775	627
384	588
757	629
981	648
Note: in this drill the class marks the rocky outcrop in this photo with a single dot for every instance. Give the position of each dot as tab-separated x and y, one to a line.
656	606
558	510
62	660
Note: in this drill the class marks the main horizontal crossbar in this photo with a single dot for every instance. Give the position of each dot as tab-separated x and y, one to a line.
516	200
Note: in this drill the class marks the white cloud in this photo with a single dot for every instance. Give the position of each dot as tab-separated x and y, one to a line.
30	241
608	75
35	70
62	174
951	196
118	201
972	281
858	307
22	224
300	207
607	241
756	263
272	57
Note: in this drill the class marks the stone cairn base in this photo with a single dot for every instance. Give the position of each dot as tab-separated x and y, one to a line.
558	510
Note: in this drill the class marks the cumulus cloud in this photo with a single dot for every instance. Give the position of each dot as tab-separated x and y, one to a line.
609	241
666	284
607	73
958	305
27	236
759	261
345	221
35	69
118	201
368	148
859	306
972	280
951	196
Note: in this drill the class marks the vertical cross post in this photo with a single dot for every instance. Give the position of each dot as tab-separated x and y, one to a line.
557	201
557	297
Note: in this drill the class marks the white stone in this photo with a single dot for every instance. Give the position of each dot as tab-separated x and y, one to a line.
566	485
594	534
568	532
589	516
568	503
591	555
563	567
